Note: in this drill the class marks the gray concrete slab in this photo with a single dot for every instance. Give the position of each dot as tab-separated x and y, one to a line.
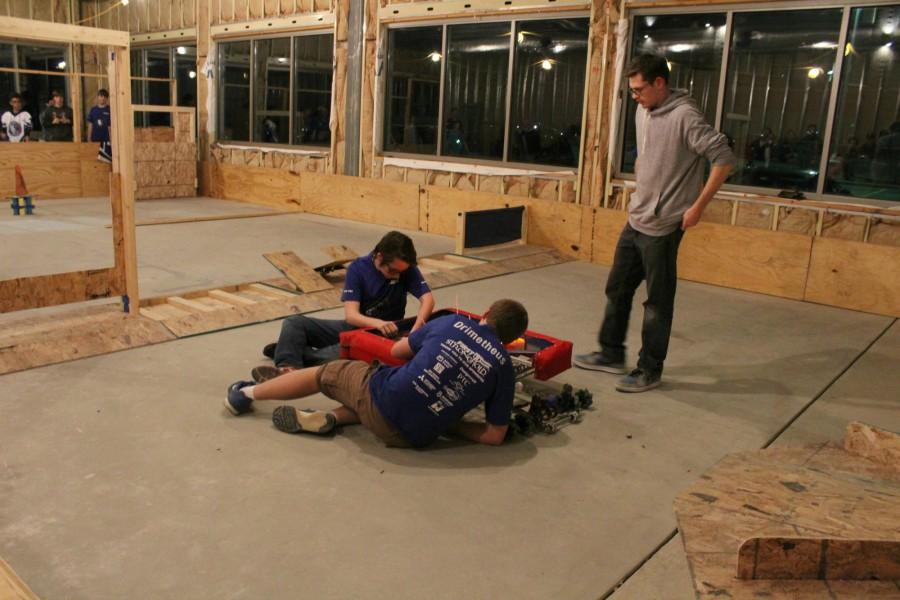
122	476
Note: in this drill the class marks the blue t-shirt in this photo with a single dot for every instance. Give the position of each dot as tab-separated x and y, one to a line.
378	296
458	364
99	118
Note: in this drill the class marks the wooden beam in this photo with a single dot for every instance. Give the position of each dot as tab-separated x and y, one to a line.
42	31
122	193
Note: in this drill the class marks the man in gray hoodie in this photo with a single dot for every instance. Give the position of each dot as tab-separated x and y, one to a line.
674	142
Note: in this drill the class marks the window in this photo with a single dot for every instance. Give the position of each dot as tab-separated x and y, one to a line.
548	72
272	91
801	112
777	92
500	91
163	62
865	144
289	82
34	88
186	75
413	90
234	91
313	57
693	45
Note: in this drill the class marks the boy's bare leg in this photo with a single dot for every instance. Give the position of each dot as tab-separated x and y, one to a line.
345	416
293	384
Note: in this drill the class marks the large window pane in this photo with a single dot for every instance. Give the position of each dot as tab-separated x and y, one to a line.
313	58
159	92
272	91
865	144
186	75
412	90
776	102
7	80
234	91
548	91
693	46
36	89
475	90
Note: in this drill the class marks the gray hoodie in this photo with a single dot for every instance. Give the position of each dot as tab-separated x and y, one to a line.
674	141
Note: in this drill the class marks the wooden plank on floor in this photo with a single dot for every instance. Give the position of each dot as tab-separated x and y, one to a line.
340	253
855	275
272	213
270	291
189	305
298	271
231	298
11	585
506	252
440	265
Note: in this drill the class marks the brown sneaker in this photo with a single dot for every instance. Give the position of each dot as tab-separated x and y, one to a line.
266	372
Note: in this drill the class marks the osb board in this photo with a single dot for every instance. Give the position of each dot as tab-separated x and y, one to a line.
60	288
388	203
73	335
819	558
872	443
755	260
445	204
154	134
11	585
144	151
854	275
809	491
269	187
608	225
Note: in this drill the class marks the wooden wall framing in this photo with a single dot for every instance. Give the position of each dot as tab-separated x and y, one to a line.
50	290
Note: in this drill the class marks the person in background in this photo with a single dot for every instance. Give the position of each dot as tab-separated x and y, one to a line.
99	120
57	119
16	122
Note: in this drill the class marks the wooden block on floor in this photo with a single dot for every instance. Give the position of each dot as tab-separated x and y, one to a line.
298	271
818	558
11	585
340	253
878	445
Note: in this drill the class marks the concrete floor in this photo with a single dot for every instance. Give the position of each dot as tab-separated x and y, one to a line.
122	476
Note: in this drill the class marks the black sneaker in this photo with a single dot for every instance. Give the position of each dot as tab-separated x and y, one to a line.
236	402
290	420
639	381
596	361
269	350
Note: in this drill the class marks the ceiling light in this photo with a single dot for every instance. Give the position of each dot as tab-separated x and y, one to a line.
192	74
708	25
825	45
435	56
546	64
61	65
814	72
681	47
646	37
181	50
888	28
558	48
124	2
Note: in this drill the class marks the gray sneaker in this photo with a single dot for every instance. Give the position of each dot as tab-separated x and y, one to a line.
596	361
290	420
639	381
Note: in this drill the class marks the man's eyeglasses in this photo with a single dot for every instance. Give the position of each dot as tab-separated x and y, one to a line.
635	92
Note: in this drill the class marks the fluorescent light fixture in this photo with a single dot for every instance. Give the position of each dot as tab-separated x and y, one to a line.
825	45
181	50
681	47
669	64
435	56
814	72
546	64
192	74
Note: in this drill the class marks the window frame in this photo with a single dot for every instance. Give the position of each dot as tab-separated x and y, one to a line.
18	74
437	157
306	148
846	6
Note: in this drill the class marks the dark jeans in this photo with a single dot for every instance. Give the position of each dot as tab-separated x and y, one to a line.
306	341
639	257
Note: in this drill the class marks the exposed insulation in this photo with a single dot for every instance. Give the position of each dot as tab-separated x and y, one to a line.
392	173
464	181
490	183
717	211
758	216
797	220
844	227
516	185
884	232
439	178
544	189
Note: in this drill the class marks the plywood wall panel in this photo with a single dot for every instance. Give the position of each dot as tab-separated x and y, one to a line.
268	187
854	275
371	201
608	225
565	227
444	204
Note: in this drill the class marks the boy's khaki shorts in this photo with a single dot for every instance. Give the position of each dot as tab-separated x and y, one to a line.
347	381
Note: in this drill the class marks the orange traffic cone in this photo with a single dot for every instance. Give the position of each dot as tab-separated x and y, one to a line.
21	189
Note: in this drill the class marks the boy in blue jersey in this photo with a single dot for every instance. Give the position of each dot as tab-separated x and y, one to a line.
374	295
455	363
99	118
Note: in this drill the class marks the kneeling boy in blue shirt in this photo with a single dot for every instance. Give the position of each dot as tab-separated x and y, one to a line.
455	364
